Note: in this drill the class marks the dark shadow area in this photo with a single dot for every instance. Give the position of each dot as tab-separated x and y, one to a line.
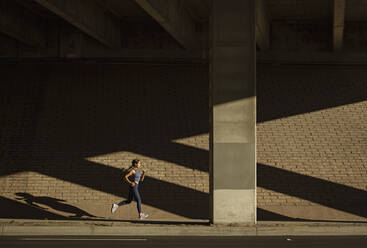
16	210
54	203
11	209
265	215
57	115
326	193
54	116
286	90
167	196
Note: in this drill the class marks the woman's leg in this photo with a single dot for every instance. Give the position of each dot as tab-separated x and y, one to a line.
137	198
129	198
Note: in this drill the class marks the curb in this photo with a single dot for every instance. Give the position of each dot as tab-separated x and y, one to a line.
117	229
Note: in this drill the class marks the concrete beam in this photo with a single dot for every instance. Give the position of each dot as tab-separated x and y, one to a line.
262	25
88	17
173	17
147	55
198	9
311	58
21	25
338	24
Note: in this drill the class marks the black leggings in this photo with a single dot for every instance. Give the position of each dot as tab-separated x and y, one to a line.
133	194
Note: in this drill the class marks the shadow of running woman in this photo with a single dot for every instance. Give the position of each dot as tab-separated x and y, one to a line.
54	203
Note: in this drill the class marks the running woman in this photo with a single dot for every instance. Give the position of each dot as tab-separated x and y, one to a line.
133	177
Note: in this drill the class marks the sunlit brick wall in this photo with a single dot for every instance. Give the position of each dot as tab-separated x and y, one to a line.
68	130
312	141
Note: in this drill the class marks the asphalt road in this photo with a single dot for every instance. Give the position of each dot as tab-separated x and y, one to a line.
191	242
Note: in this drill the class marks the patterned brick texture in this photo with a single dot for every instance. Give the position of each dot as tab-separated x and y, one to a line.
69	130
312	141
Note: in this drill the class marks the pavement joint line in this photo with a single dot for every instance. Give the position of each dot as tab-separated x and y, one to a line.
81	239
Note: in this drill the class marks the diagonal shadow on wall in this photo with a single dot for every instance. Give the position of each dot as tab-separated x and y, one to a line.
54	203
288	90
167	196
326	193
120	124
163	195
17	210
53	132
12	209
266	215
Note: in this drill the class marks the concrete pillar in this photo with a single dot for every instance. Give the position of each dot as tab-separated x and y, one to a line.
233	112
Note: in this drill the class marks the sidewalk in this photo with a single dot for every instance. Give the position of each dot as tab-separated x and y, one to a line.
23	227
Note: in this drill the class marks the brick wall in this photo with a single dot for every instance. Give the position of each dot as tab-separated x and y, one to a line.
355	37
68	130
312	141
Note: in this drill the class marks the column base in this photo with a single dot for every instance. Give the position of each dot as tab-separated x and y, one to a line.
234	206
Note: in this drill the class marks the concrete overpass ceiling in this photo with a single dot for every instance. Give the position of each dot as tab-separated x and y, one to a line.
199	10
356	11
37	9
127	10
135	27
300	9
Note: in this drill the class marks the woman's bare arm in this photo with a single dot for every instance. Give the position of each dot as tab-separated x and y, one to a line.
142	176
127	177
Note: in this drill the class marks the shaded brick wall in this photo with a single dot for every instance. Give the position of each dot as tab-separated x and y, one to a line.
67	130
312	141
355	37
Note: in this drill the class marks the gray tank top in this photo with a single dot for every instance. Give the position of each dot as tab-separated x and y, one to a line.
136	177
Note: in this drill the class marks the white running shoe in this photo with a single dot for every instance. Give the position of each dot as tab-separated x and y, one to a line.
143	216
114	207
